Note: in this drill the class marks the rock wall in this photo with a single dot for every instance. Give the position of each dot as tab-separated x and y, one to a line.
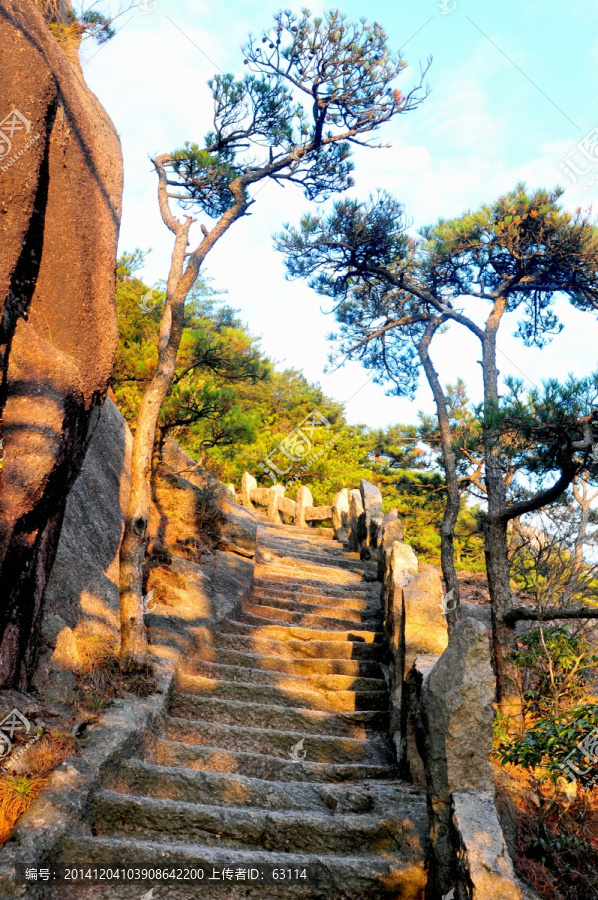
60	195
82	591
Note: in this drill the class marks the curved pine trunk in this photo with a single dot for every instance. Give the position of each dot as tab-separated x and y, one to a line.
496	540
453	498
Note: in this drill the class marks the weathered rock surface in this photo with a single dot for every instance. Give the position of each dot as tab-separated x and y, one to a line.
425	630
482	857
60	194
454	736
82	591
239	531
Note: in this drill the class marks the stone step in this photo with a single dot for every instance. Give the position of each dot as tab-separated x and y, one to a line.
314	561
261	765
359	877
259	715
328	701
346	606
306	666
146	818
140	777
321	549
256	614
136	776
250	675
306	550
300	649
300	572
259	628
320	534
283	585
271	742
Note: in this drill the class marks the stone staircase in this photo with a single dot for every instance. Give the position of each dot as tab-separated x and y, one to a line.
275	753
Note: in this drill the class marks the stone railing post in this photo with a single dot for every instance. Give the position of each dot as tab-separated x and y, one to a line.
248	484
276	495
304	499
355	513
370	522
340	515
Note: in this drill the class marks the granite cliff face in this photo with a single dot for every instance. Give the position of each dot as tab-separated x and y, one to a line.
60	196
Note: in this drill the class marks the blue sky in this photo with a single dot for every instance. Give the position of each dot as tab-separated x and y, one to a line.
514	90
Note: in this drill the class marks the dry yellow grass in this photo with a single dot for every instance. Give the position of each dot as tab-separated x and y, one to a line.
28	771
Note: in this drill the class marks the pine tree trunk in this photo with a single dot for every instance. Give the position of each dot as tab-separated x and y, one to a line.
135	538
453	499
181	278
496	539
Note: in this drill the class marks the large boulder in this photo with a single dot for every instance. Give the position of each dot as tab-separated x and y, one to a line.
454	736
424	627
60	195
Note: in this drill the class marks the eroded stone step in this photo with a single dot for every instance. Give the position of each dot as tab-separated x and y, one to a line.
259	765
136	776
286	569
258	614
346	606
263	629
328	701
307	550
340	877
146	818
272	742
250	675
300	649
283	583
313	561
306	666
268	715
140	777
